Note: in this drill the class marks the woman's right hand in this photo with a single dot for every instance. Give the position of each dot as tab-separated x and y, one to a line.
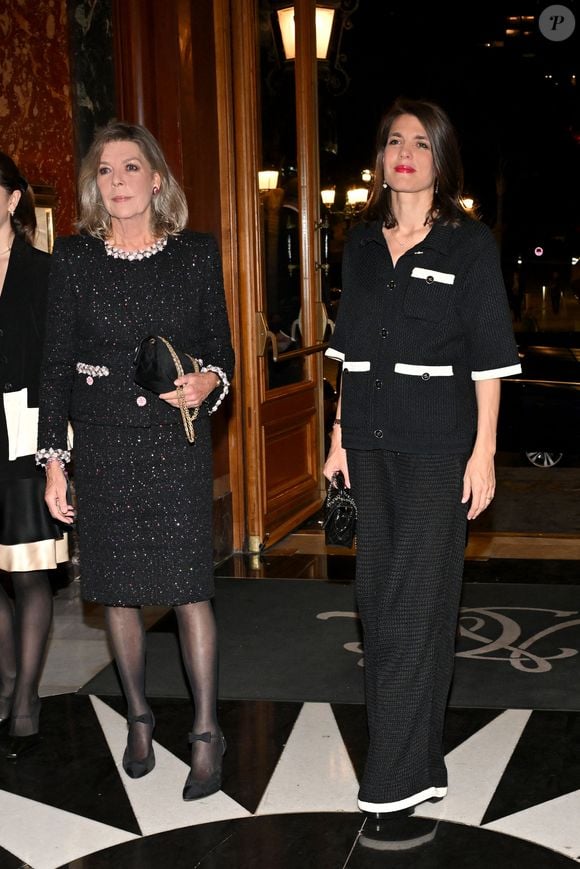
336	459
55	494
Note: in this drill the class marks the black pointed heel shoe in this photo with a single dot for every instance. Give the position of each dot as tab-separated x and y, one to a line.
16	745
139	768
195	789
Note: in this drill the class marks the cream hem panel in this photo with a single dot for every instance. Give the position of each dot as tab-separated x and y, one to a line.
40	555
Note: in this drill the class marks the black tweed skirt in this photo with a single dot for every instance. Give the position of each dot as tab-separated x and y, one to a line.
144	502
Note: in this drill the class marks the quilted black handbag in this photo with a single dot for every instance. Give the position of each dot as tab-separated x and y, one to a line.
339	513
157	366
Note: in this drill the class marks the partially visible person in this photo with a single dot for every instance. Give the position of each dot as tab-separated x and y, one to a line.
424	335
31	542
144	493
556	288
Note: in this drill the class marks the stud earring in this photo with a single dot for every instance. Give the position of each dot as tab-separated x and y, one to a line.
155	190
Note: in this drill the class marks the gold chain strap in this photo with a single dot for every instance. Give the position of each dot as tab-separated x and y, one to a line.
188	414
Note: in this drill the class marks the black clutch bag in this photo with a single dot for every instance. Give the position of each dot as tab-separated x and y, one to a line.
157	365
339	513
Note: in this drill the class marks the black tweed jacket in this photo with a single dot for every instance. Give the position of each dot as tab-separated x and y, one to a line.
414	338
100	308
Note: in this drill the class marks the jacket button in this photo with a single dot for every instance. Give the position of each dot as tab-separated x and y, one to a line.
429	279
378	433
141	400
384	333
426	376
378	384
391	285
3	360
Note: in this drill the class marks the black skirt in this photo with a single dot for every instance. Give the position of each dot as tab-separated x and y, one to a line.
144	501
29	538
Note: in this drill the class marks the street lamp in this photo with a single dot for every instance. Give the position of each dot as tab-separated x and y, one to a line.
324	21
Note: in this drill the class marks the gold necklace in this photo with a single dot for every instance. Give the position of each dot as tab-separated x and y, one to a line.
8	249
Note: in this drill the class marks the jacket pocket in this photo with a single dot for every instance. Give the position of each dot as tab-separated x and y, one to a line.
355	385
428	294
424	398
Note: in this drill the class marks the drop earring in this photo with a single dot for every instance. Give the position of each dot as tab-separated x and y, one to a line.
385	185
436	186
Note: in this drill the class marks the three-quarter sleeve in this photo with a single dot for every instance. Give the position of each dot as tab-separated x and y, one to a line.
491	346
58	361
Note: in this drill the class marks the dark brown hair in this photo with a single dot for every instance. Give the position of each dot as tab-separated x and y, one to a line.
23	221
447	205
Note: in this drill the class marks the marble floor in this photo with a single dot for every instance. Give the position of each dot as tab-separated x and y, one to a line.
290	778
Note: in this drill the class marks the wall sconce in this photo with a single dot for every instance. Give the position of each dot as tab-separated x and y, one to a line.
366	176
357	196
324	21
267	179
328	196
468	202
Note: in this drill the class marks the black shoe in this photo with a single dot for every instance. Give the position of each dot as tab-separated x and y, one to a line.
17	745
6	708
139	768
388	816
400	832
194	789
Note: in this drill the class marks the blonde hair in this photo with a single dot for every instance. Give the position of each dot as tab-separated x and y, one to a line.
168	206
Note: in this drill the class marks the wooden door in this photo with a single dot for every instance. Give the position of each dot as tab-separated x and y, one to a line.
282	318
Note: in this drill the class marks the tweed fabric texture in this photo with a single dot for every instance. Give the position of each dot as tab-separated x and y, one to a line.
413	336
99	310
144	493
144	498
411	532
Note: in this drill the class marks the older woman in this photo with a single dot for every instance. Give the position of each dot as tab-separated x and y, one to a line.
144	492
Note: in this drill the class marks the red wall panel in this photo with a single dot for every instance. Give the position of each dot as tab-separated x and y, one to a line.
36	126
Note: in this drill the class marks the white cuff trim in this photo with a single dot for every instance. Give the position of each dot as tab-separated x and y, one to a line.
334	354
356	366
414	800
491	373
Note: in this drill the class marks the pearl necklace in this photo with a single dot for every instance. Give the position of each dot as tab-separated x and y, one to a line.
142	253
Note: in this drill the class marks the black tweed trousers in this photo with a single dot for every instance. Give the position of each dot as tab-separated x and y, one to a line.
411	532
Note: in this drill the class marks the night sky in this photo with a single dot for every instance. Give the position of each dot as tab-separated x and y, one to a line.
509	116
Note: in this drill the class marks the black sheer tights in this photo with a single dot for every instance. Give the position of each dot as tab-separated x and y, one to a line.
24	630
198	641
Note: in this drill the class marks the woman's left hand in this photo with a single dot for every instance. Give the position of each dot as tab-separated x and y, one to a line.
196	388
478	482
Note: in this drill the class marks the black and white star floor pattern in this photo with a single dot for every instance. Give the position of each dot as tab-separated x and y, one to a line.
289	791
